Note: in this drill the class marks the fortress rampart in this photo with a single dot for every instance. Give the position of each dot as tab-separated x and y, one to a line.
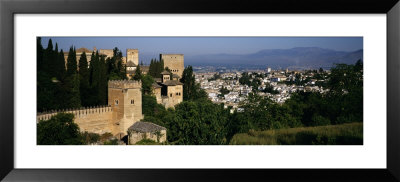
92	119
122	84
123	110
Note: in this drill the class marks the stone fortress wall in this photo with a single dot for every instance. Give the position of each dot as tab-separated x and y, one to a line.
123	110
174	62
92	119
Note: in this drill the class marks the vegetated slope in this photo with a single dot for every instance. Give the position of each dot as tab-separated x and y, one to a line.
344	134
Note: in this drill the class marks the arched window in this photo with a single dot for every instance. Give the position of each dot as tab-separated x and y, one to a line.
116	102
132	101
170	95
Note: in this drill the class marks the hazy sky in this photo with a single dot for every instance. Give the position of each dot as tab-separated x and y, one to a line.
191	46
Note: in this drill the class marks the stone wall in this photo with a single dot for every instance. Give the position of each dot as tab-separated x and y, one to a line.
107	52
137	136
174	97
125	97
132	55
95	120
157	93
125	108
175	62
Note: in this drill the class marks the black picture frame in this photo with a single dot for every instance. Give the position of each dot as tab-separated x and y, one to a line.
8	8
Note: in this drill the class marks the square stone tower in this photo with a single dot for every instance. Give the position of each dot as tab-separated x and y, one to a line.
109	53
133	56
174	62
125	97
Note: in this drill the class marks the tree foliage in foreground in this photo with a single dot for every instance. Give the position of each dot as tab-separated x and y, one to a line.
59	130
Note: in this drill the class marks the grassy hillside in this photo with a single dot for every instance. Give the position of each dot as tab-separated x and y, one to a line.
344	134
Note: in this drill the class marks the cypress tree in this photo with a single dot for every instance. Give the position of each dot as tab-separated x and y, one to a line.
84	79
151	68
53	62
92	60
60	65
138	74
98	85
71	85
92	98
48	57
188	81
71	62
103	82
39	54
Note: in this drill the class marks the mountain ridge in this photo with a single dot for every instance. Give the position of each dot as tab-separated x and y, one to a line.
293	57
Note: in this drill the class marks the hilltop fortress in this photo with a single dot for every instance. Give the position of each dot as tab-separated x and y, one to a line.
122	115
123	110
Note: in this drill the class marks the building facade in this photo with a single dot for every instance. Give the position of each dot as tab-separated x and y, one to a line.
174	62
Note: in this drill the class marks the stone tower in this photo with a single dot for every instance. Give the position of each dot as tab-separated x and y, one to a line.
133	56
165	76
125	97
174	62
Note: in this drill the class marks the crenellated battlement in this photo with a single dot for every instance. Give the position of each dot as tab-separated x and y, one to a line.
124	84
78	113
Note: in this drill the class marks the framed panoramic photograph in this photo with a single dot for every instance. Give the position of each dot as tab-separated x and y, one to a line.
123	91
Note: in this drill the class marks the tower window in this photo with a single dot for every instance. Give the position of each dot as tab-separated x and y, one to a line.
132	101
116	102
170	95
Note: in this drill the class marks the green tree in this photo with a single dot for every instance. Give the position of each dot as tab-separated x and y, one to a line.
72	97
223	91
84	86
39	54
59	130
197	123
48	58
98	80
156	67
191	90
60	69
151	108
71	62
147	84
138	73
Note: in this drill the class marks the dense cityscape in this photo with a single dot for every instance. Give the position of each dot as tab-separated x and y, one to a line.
230	88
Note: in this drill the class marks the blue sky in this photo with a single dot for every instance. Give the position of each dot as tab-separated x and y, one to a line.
191	46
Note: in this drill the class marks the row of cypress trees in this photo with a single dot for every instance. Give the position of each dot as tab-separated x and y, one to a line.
156	67
76	83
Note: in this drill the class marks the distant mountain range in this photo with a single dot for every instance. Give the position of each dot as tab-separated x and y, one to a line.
306	57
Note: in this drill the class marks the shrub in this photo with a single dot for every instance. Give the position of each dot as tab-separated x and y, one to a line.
318	120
